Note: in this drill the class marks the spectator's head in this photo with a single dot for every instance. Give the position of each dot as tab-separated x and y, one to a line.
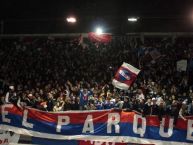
126	99
68	100
85	90
154	101
117	99
149	101
50	96
161	104
175	102
109	95
12	88
30	96
140	91
184	106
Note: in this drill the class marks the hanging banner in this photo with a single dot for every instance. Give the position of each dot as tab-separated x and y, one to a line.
105	125
43	141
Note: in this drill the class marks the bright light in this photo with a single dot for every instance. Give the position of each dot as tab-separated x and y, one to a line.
71	20
132	19
99	31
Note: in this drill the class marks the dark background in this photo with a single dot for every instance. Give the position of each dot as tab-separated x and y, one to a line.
48	16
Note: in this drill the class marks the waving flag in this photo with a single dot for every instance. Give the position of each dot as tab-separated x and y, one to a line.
125	76
102	38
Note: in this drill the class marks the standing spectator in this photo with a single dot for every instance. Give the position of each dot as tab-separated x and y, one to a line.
58	107
2	98
183	111
67	104
140	95
118	103
11	96
138	106
84	96
190	108
161	111
99	104
174	111
147	108
43	104
50	102
108	104
126	104
154	107
30	101
75	104
91	106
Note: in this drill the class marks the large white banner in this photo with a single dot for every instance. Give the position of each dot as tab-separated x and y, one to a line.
7	137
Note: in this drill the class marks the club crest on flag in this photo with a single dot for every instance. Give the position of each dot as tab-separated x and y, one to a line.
125	76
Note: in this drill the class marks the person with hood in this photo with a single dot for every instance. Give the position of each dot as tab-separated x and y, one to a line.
11	96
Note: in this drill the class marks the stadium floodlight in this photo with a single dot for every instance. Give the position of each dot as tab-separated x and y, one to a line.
71	20
99	31
133	19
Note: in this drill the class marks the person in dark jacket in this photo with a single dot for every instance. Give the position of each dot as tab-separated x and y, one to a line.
75	104
154	107
118	103
138	105
50	102
67	104
161	111
174	111
147	108
30	100
11	96
126	104
190	108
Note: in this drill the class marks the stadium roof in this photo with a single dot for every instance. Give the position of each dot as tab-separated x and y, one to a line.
48	16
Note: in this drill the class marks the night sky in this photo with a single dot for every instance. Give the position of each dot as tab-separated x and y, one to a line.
26	15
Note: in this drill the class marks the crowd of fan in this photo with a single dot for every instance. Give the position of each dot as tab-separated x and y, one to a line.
59	74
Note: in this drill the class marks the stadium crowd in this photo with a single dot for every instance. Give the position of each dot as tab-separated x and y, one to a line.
59	74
